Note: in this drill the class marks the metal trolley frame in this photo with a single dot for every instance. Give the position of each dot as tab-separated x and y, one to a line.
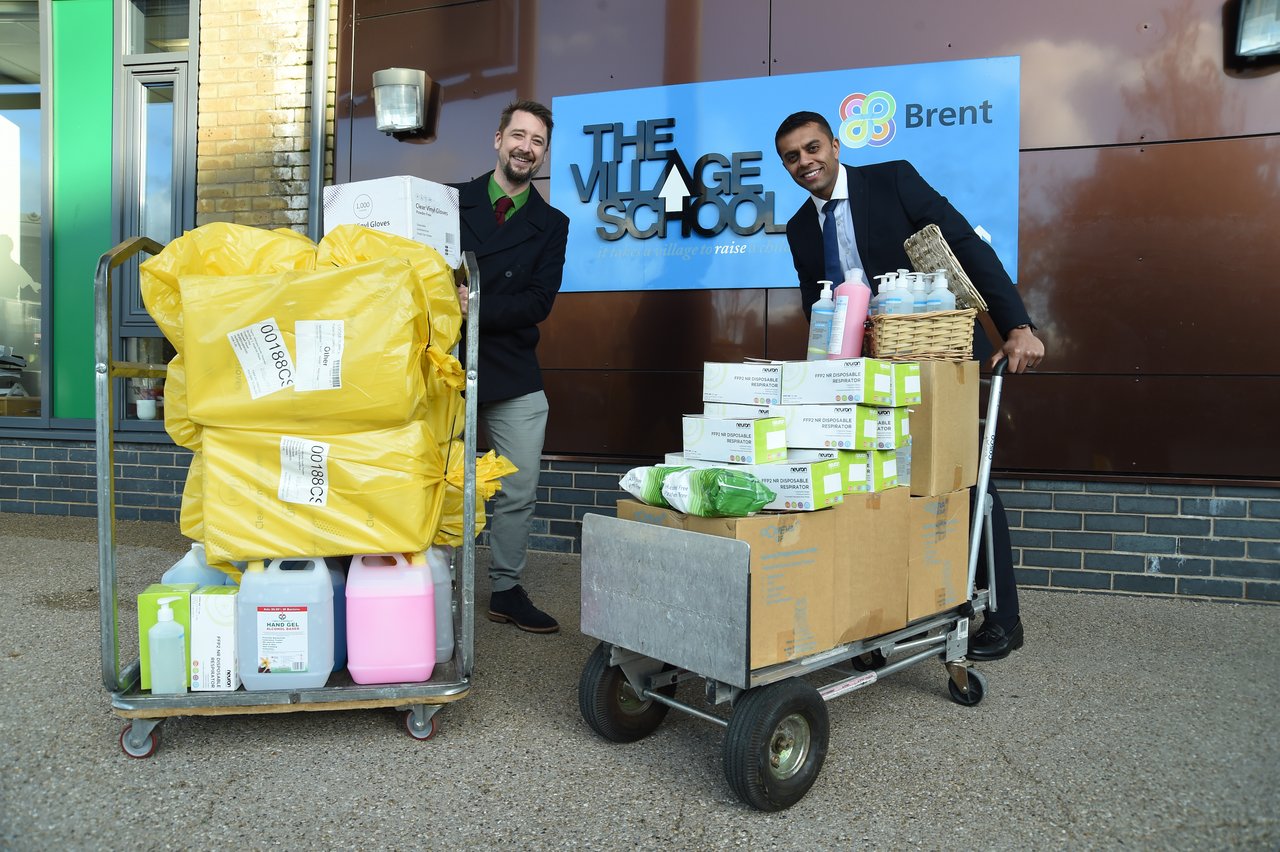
420	702
686	615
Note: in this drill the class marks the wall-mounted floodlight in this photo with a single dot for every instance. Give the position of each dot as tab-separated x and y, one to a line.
399	99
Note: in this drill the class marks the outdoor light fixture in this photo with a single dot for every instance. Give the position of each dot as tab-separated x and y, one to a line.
399	99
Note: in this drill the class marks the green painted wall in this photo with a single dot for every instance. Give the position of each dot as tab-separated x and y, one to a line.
82	53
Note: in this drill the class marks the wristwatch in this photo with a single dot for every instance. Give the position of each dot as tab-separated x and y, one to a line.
1024	325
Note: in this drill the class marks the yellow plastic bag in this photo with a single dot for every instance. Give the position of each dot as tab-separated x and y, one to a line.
191	515
347	245
219	248
340	350
490	468
445	380
176	420
303	494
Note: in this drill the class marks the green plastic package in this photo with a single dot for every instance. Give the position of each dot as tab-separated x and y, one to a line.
645	483
716	492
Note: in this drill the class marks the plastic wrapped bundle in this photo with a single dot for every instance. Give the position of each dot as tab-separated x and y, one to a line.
716	492
645	483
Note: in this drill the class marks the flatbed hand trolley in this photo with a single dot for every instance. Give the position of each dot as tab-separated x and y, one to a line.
449	682
670	605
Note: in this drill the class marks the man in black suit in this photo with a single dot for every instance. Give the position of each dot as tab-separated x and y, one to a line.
519	242
859	217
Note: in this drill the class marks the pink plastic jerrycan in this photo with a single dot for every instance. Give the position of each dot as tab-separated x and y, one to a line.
391	631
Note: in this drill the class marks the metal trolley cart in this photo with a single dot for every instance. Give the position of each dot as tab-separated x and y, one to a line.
420	702
685	614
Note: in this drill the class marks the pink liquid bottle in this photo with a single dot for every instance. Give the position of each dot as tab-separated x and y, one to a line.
851	298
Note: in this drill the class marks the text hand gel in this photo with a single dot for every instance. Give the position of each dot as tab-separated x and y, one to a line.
166	642
820	320
852	299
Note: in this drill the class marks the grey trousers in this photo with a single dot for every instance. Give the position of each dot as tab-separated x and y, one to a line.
516	428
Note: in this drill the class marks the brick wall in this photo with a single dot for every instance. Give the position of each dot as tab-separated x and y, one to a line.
1181	540
253	134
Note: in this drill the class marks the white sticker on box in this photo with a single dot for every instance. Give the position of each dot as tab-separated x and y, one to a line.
858	472
263	356
282	640
319	344
832	483
869	428
775	440
890	468
304	471
912	384
883	383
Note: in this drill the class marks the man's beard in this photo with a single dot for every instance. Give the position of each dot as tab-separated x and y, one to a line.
509	172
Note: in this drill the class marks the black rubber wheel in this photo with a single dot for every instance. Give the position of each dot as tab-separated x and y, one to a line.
775	744
609	704
148	748
868	662
420	732
977	689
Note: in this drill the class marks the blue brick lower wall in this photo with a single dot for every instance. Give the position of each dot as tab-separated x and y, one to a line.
1153	539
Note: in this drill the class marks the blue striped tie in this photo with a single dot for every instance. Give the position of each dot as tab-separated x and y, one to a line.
831	243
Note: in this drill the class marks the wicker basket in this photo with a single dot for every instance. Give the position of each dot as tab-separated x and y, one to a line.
929	252
936	336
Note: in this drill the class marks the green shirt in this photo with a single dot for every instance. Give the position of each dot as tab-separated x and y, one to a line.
496	192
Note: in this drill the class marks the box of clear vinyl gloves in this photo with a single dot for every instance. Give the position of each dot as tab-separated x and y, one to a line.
406	206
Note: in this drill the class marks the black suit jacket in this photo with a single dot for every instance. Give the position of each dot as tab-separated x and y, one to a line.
890	202
521	263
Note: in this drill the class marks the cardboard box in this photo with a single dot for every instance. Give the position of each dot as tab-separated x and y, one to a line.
754	383
843	381
893	428
800	486
847	427
149	607
791	568
906	383
938	560
871	470
215	663
740	441
944	428
406	206
735	410
870	567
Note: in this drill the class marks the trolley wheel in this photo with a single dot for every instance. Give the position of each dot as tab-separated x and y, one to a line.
977	689
775	744
148	748
609	704
420	732
868	662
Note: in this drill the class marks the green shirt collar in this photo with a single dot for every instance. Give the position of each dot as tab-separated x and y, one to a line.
496	192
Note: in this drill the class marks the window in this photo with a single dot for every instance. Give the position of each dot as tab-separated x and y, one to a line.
21	193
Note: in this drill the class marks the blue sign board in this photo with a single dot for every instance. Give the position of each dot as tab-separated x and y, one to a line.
680	187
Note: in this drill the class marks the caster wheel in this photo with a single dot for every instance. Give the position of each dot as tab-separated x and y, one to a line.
420	731
868	662
775	744
148	747
977	689
611	707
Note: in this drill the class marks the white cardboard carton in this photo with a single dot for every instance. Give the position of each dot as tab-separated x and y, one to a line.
843	381
823	427
406	206
739	441
754	383
214	661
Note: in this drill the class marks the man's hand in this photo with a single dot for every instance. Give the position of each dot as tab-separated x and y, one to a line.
1023	349
462	299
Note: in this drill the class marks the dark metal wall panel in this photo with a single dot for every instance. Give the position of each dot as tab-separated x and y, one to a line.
631	414
1094	72
1186	426
1154	259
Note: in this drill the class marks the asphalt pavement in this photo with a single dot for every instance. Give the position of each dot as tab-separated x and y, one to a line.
1125	722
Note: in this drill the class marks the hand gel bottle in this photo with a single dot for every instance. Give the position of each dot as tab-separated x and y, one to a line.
919	292
166	642
940	297
852	299
885	285
896	298
820	321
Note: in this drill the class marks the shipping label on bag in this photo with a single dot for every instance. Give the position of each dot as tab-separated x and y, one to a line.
263	357
304	471
319	344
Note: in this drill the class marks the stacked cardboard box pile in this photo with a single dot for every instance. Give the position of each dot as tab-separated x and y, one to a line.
861	547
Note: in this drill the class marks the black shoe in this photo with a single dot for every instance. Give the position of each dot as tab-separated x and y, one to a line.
993	642
513	605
